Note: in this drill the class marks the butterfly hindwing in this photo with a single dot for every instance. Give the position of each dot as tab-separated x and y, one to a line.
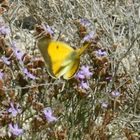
74	66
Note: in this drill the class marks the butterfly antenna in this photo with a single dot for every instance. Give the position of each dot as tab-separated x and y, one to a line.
83	48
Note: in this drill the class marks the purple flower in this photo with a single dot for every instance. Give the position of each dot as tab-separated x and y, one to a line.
14	111
88	37
84	73
109	78
4	30
17	52
84	85
5	60
115	93
15	130
101	53
28	74
80	75
1	75
48	114
104	104
48	29
85	22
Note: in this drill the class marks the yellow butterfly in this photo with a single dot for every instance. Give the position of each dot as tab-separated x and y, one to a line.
60	58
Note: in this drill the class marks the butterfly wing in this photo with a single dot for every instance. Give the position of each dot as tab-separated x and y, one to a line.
60	58
54	54
73	68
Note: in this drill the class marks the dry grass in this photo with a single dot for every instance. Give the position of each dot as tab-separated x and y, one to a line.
80	116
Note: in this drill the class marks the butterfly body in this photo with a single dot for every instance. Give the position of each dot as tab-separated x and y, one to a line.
60	58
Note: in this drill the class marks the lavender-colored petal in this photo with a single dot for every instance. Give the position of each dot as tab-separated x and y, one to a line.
101	53
48	114
31	76
4	30
88	37
15	130
85	22
18	53
28	74
104	105
115	93
1	75
48	29
14	111
85	71
84	85
79	75
5	60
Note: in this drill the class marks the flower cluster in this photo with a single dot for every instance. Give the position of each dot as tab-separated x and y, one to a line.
88	37
48	29
83	75
101	53
15	130
4	30
49	114
14	110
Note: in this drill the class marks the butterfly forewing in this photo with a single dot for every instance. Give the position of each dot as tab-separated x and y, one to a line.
57	52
